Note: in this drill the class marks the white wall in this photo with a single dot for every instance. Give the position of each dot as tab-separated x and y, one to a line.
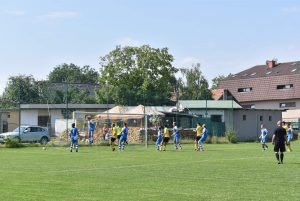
29	117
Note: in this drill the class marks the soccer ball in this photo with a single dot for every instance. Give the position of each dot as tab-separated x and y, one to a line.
44	148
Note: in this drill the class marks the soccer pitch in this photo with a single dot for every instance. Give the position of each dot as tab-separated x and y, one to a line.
222	172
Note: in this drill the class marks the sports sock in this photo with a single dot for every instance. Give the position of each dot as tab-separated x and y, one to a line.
277	156
281	157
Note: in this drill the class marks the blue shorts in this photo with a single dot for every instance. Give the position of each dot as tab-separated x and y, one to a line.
263	140
123	139
176	138
159	140
74	140
203	138
289	138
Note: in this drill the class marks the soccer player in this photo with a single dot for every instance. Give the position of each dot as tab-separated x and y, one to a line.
104	131
176	136
91	130
198	136
123	138
289	137
159	138
118	133
113	137
74	137
166	139
263	137
203	137
279	140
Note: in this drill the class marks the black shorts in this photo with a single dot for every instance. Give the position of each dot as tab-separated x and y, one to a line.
166	139
118	136
112	139
279	147
198	138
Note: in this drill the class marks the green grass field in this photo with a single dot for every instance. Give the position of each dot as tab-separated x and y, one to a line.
222	172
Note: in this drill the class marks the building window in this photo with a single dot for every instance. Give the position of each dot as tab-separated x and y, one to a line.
8	116
250	106
285	86
287	104
270	118
247	89
261	118
244	117
43	121
216	118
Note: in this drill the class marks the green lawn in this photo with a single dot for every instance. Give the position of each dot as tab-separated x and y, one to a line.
222	172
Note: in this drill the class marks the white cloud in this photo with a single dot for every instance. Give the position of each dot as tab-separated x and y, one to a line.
291	10
59	15
14	12
127	41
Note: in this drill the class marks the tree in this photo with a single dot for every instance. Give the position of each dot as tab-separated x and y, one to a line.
20	89
70	73
195	86
136	75
216	81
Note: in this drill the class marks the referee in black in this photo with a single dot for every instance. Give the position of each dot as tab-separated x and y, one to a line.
279	141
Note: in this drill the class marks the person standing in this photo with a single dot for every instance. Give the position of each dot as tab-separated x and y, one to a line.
91	130
176	136
104	131
166	139
113	137
74	137
263	137
118	132
203	137
279	140
159	138
198	135
289	137
123	138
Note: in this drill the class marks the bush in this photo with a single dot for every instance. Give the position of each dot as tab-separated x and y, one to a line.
12	143
216	140
231	136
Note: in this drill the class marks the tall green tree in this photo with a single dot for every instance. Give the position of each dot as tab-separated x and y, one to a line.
216	81
136	75
193	85
20	89
71	73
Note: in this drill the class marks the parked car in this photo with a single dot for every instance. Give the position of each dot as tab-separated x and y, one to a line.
28	134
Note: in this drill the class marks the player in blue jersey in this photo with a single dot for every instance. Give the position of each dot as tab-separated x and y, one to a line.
91	130
159	138
203	137
123	138
289	137
263	137
176	136
74	137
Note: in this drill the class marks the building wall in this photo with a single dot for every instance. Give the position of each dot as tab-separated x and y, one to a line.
29	117
272	104
13	120
249	129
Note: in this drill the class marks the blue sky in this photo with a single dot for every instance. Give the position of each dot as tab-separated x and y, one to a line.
225	36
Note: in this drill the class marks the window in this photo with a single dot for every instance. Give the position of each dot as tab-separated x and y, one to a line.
294	70
269	72
270	118
286	86
287	104
252	74
261	118
216	118
250	106
247	89
43	121
244	117
245	75
8	116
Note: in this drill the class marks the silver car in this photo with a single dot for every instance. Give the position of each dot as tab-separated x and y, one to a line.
28	134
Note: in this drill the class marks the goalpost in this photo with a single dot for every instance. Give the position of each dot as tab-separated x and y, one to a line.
137	124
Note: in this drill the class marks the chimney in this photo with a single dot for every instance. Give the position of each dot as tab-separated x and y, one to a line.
271	63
